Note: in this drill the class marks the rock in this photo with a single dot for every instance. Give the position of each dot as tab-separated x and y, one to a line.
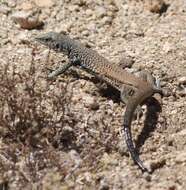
4	9
101	12
147	176
182	92
95	106
67	130
90	103
3	34
181	157
122	147
44	3
104	185
74	8
166	92
52	180
88	176
80	2
182	80
109	160
159	163
44	55
27	20
182	133
26	6
11	3
155	6
22	37
106	20
167	47
74	155
89	12
85	33
126	61
64	27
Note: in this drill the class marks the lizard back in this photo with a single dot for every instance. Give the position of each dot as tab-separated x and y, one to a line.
91	61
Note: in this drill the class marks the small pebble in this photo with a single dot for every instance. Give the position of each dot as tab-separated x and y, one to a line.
91	103
166	92
106	20
182	92
26	6
126	61
147	176
101	12
85	33
44	3
155	6
159	163
4	9
181	157
182	80
22	37
11	3
104	184
122	148
27	20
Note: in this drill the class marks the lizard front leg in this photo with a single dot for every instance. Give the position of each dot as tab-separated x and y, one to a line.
62	69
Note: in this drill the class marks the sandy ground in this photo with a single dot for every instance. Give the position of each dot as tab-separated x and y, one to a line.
82	147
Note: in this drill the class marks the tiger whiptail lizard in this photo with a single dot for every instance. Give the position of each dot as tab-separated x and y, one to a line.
134	90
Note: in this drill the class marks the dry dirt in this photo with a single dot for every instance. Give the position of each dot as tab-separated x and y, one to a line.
66	134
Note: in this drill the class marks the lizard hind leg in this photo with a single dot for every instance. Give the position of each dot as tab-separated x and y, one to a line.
147	77
126	94
129	97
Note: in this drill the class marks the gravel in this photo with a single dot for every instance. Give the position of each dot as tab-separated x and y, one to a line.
85	150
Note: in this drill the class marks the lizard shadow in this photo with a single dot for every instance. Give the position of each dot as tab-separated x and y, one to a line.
111	93
153	108
151	119
152	114
104	89
66	139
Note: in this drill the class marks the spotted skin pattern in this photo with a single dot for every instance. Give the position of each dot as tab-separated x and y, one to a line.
133	89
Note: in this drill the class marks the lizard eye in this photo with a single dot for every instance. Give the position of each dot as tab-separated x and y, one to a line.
47	39
57	46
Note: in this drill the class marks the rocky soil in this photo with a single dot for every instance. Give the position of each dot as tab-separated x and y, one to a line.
66	133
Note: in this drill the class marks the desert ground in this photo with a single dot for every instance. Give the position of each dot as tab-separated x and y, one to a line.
66	133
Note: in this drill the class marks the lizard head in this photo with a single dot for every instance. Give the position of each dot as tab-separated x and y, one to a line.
52	39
